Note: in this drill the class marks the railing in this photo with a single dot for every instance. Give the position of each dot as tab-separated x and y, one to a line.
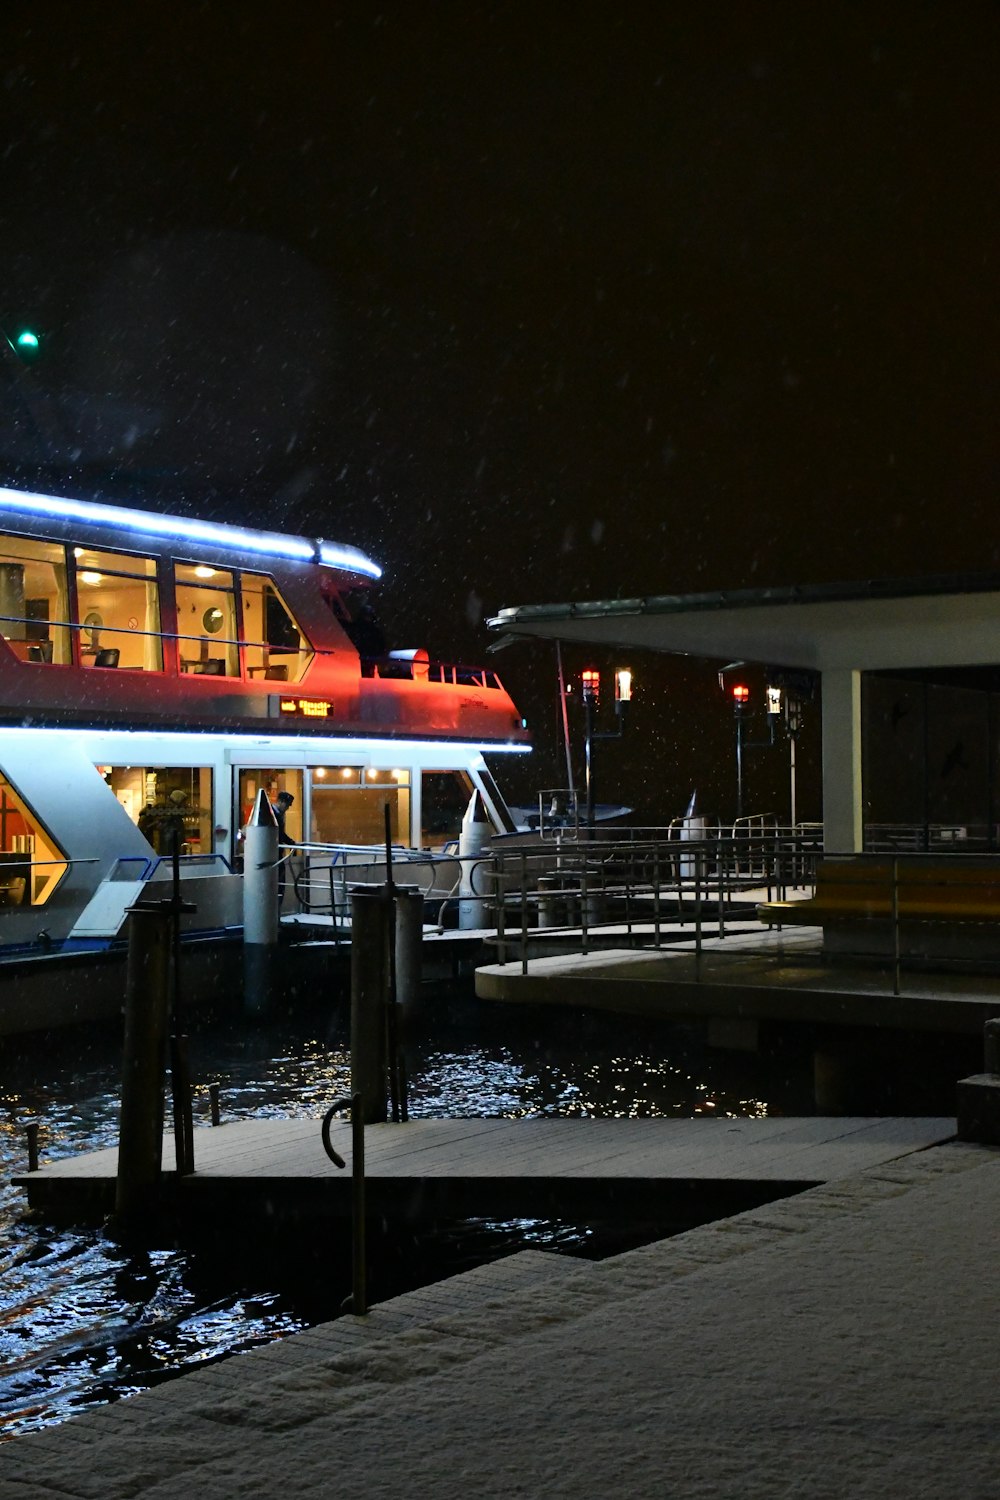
640	887
323	883
398	665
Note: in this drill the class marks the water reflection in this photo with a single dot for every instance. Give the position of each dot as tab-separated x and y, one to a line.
83	1322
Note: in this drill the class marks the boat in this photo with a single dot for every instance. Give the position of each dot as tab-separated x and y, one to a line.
157	672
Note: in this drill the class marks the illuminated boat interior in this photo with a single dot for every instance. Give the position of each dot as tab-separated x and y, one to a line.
156	673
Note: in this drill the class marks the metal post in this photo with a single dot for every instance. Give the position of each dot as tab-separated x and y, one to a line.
147	1001
739	764
180	1091
584	914
357	1303
697	911
524	913
359	1288
588	710
500	887
895	927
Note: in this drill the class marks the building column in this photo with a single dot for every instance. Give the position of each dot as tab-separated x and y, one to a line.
843	808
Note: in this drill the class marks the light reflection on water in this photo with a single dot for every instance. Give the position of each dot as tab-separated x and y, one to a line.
83	1321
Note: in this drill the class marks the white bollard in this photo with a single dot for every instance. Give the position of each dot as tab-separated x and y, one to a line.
475	836
260	902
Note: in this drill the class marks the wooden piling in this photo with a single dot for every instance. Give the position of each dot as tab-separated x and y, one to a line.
147	1003
370	927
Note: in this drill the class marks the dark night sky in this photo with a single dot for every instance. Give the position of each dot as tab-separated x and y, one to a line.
532	302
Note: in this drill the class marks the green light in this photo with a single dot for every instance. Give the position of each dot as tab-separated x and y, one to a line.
27	340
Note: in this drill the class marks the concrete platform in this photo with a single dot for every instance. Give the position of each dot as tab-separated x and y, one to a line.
838	1343
764	976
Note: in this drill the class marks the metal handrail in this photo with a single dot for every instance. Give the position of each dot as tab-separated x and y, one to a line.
357	1302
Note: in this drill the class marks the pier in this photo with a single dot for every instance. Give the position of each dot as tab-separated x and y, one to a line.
751	978
838	1342
683	1170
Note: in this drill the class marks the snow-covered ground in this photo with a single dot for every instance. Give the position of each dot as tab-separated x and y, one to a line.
839	1343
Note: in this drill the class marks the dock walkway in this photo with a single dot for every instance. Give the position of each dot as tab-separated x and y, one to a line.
841	1342
777	976
469	1167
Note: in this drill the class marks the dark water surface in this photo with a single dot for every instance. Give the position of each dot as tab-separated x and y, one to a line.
82	1321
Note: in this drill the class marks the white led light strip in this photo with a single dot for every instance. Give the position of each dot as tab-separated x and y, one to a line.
93	513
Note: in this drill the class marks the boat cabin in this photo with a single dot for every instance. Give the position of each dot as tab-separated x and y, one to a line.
157	672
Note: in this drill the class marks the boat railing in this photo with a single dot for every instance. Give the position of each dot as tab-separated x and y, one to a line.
213	864
412	665
417	666
327	872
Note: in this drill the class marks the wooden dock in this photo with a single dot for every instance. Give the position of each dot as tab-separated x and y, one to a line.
640	1168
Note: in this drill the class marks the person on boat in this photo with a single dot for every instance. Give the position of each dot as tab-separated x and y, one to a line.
282	802
162	823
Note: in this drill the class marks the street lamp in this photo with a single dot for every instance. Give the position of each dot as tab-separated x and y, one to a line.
741	701
590	691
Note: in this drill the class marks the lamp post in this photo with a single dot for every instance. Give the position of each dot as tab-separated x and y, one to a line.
741	699
590	686
590	690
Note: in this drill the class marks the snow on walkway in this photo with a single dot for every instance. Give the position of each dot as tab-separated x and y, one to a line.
838	1343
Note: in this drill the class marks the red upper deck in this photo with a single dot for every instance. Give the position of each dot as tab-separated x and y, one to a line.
124	617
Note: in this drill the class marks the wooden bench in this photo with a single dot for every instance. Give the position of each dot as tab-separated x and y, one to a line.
849	891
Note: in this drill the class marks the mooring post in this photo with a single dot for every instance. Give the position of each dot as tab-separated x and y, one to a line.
31	1131
991	1046
370	924
147	1003
260	904
213	1103
409	944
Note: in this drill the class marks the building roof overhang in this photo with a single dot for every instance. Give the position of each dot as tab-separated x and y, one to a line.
873	626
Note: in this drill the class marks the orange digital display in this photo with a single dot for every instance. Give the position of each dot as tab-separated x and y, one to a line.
305	708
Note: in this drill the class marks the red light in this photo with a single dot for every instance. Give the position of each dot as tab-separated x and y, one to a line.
590	682
741	693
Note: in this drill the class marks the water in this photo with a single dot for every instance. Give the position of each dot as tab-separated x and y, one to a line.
82	1321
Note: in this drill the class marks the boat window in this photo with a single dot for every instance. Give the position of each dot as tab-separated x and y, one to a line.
356	612
34	600
444	796
498	806
206	620
348	805
31	864
118	609
160	799
272	782
276	648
